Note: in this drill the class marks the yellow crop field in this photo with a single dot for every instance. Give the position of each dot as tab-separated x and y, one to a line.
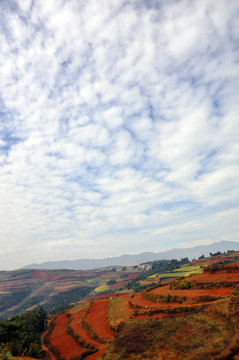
102	288
118	311
180	272
78	307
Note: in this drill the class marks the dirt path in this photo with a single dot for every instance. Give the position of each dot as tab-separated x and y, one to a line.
192	293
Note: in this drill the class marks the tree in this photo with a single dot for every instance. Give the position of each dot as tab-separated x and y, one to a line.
5	354
111	282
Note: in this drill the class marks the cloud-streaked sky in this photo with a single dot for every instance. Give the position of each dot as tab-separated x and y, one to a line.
119	127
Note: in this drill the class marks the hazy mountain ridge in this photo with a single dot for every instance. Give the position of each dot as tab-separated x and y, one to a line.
178	253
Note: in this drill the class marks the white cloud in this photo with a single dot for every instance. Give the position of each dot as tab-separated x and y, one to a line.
113	117
119	126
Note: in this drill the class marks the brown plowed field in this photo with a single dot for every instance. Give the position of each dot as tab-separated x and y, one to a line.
138	300
118	285
38	273
158	316
64	342
217	277
146	304
132	276
60	288
210	261
97	319
192	293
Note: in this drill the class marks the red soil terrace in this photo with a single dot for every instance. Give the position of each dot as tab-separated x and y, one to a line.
97	316
218	277
97	319
78	328
192	293
64	342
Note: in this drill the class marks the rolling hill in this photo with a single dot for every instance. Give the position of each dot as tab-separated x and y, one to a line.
28	289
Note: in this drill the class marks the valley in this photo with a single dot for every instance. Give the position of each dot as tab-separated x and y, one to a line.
23	290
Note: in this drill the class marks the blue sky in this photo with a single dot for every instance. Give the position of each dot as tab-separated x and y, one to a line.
118	127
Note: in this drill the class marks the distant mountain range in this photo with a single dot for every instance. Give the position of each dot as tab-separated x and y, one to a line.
87	264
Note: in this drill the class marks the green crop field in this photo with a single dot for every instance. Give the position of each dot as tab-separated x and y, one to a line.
180	272
25	275
93	281
189	268
102	288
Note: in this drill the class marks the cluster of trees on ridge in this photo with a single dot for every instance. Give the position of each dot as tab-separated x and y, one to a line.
157	266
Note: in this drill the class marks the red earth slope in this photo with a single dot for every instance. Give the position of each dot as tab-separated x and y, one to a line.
97	319
62	341
95	313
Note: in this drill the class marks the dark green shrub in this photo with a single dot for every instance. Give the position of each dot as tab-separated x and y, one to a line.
184	285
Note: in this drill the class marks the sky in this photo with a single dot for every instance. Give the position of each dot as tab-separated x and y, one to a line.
119	127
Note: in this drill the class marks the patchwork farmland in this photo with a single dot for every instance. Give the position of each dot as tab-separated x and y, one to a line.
164	321
24	290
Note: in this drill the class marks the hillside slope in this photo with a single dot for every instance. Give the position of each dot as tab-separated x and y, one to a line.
28	289
193	318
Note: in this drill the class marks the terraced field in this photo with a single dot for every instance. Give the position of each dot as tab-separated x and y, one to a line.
81	332
114	327
97	320
64	342
185	270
